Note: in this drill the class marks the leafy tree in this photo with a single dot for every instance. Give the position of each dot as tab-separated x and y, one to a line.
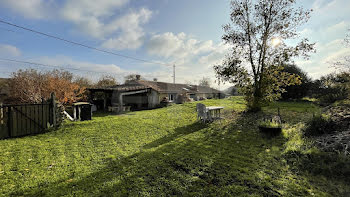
296	91
61	82
132	77
233	91
32	86
256	33
107	81
333	87
205	81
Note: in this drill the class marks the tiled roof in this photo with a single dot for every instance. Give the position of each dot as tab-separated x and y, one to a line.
174	88
125	87
161	87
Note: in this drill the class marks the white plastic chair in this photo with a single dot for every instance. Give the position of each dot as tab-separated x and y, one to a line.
202	112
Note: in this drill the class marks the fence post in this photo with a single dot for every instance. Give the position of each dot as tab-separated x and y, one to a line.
53	100
1	114
9	121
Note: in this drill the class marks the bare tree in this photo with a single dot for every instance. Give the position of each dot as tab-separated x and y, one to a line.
344	62
205	81
26	86
257	34
32	86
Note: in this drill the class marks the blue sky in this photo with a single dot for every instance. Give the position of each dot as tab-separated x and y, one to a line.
185	32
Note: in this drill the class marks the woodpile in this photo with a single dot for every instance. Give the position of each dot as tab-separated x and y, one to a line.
339	141
340	115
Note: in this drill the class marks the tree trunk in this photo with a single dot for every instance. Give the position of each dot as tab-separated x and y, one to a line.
255	105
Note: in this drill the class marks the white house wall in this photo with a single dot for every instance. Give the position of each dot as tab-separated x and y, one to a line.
153	99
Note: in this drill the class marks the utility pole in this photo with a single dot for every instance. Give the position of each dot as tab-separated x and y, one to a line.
174	73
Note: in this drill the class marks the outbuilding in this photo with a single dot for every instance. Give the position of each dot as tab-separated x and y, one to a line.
141	94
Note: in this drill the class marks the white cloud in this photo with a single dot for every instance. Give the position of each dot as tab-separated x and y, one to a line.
99	20
131	36
177	46
103	20
327	27
69	63
339	28
89	16
323	61
329	10
9	50
194	58
35	9
216	56
306	32
76	9
164	45
336	56
322	4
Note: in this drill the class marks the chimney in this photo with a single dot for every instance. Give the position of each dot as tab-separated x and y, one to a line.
155	79
138	77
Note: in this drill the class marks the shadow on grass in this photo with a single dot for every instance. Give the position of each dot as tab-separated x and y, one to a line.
180	131
230	160
332	166
101	114
220	161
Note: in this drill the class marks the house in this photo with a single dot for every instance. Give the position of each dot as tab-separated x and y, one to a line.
142	94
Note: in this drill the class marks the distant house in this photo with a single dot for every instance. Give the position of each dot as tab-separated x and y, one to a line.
142	94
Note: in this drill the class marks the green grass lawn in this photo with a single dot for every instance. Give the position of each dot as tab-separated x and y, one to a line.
168	152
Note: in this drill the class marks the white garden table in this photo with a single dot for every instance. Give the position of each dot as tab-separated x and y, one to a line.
214	112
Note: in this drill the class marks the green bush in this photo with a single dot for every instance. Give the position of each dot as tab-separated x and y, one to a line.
319	125
334	94
332	87
270	123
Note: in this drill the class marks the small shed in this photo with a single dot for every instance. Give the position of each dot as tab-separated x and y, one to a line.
82	111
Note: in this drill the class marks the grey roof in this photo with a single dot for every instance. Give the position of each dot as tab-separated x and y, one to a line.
161	87
125	87
164	87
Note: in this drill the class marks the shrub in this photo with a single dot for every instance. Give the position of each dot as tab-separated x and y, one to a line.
270	123
297	91
332	87
333	94
319	125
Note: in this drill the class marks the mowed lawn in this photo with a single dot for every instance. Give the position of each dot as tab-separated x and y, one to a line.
166	151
